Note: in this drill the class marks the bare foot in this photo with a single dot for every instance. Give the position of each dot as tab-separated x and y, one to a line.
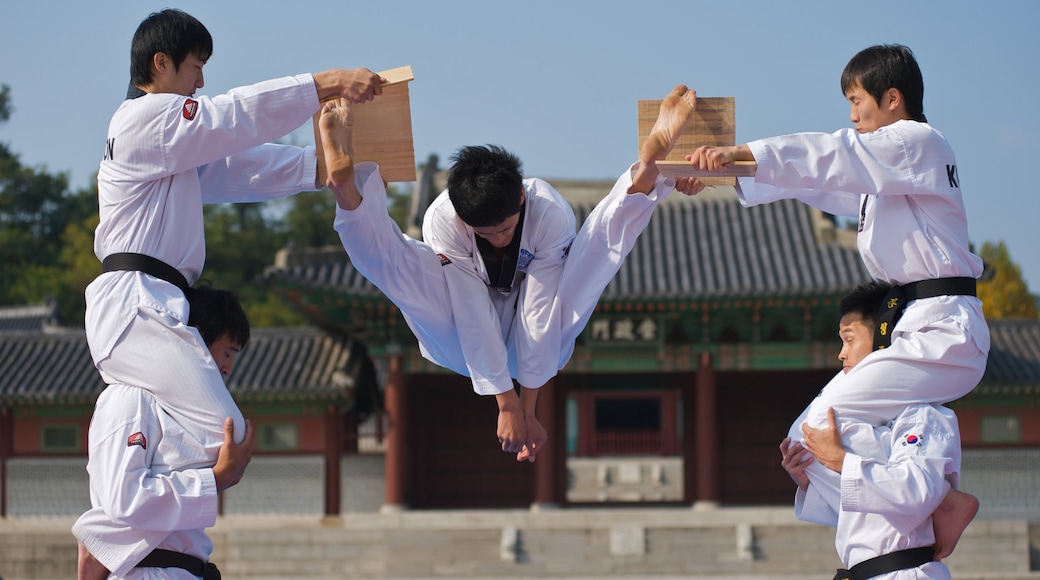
337	125
676	110
950	519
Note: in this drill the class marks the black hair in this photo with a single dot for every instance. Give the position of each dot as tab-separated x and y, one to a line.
171	31
883	67
485	185
865	300
216	313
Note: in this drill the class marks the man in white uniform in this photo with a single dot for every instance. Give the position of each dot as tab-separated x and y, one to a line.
898	175
166	491
501	286
881	498
167	153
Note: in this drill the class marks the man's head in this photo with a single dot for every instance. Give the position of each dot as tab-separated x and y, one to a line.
219	317
486	187
859	310
883	84
168	52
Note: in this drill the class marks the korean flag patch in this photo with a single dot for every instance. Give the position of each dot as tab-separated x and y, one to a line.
137	439
523	260
912	440
191	106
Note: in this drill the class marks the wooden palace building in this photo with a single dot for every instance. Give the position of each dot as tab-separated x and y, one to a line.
720	327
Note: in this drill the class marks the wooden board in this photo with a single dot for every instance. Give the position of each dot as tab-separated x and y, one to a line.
383	128
714	123
683	168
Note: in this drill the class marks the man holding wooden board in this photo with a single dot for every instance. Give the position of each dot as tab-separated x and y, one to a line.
167	152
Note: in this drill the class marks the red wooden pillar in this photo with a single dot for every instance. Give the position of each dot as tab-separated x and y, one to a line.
689	441
707	434
333	459
396	437
6	449
546	467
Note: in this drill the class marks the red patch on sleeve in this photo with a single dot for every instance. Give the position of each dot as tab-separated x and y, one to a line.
137	439
444	259
191	107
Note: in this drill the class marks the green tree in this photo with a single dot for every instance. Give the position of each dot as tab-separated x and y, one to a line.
1004	295
36	208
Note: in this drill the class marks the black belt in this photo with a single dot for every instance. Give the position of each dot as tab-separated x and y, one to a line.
899	296
169	559
901	560
148	265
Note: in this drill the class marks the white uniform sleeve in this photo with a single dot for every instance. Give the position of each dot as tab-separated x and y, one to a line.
201	130
811	506
480	332
259	174
476	320
907	489
830	170
131	487
538	340
137	499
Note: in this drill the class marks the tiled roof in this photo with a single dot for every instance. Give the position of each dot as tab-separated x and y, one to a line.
278	364
700	247
36	318
697	248
309	364
1014	356
47	368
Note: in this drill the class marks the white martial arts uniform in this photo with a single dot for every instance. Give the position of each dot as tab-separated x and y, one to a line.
442	288
165	156
890	489
165	495
901	180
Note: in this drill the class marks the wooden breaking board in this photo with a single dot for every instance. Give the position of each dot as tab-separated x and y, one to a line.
713	123
383	128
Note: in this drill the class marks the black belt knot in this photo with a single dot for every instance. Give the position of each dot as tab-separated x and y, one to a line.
170	559
901	560
148	265
899	296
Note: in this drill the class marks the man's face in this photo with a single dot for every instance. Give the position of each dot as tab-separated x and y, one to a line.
183	80
857	339
501	234
866	114
224	351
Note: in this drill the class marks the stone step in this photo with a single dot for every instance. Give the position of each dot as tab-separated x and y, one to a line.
722	544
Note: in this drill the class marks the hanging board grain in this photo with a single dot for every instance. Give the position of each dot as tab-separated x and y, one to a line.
383	128
713	123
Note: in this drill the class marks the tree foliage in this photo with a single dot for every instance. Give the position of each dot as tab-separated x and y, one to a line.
1005	294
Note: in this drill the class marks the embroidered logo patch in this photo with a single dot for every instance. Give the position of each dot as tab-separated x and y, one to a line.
137	439
191	106
444	259
566	251
914	440
523	260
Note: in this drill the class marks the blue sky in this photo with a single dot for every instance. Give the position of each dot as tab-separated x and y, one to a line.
557	81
